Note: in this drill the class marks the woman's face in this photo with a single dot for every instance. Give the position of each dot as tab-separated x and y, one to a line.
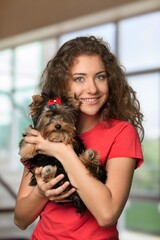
89	83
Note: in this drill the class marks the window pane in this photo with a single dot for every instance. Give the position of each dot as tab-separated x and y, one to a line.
148	92
49	49
5	82
27	65
26	81
5	109
23	98
106	31
5	127
5	70
5	60
139	40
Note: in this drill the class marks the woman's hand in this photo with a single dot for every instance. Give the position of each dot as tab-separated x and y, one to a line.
43	146
45	189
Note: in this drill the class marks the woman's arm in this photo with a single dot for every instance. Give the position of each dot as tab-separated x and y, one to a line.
105	201
31	200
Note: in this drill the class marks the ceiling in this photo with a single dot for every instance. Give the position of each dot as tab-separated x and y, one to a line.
20	16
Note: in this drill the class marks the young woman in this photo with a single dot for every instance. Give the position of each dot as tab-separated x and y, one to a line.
110	122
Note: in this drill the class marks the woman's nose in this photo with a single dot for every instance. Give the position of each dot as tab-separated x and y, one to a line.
91	86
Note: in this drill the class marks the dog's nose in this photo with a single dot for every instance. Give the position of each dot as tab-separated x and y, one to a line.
57	126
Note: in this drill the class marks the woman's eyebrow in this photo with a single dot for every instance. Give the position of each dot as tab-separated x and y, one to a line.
79	74
100	72
83	74
86	73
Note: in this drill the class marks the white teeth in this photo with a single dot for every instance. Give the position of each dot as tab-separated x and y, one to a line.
90	99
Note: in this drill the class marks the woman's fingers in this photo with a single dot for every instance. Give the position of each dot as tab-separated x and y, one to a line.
32	131
50	184
65	195
32	136
57	191
46	189
61	197
31	139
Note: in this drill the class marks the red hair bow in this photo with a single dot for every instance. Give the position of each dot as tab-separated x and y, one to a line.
54	101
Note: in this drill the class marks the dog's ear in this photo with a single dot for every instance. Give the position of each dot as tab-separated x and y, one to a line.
35	105
37	99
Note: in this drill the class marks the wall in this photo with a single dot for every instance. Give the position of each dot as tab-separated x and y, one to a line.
19	16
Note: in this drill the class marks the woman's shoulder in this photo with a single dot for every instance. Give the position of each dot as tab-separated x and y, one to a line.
111	128
119	127
115	125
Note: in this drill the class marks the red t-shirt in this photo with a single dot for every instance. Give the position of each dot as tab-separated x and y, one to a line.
60	221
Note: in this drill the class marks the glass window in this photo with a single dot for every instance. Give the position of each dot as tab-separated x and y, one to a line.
142	212
19	75
105	31
5	109
139	39
23	98
27	65
5	123
5	70
49	49
5	82
147	180
6	60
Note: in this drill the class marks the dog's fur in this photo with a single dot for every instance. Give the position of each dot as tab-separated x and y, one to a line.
56	122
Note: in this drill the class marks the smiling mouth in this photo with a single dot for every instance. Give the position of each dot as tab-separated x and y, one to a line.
89	100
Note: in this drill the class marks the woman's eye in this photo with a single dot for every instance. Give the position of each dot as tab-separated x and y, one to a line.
79	79
101	77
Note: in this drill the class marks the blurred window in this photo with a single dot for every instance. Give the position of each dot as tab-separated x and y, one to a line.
6	70
147	181
139	39
19	75
27	65
139	52
105	31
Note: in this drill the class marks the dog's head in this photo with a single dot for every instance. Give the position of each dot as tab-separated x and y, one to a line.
55	117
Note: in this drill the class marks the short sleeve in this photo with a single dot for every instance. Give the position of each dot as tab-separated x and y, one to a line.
127	144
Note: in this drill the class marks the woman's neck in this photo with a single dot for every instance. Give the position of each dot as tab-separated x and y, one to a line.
86	122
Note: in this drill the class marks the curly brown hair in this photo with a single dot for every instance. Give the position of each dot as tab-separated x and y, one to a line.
122	103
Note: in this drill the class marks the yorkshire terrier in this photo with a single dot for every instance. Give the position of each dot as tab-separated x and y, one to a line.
55	118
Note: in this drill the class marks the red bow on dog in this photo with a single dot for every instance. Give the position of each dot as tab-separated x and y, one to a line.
54	101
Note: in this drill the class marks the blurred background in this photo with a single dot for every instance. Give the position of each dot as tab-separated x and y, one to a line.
30	34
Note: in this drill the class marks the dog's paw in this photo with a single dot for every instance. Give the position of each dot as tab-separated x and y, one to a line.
90	154
48	173
27	151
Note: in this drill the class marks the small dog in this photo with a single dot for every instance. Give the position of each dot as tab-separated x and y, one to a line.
55	119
